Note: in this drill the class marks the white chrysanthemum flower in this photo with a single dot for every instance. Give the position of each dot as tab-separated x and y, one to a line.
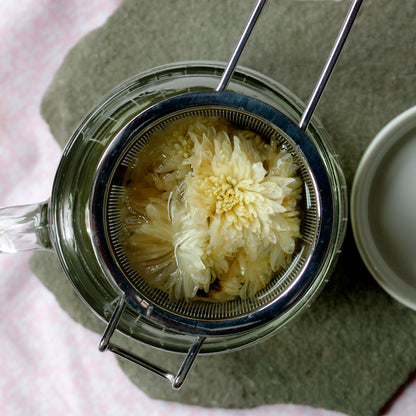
169	251
235	221
240	200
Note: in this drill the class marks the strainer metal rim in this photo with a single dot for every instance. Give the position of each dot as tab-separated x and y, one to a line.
298	290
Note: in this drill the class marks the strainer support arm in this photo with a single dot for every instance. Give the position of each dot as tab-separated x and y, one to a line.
176	380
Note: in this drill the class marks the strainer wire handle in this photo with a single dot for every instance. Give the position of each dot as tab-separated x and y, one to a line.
175	379
229	70
330	64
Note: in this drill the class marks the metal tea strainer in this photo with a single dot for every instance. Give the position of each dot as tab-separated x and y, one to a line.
199	318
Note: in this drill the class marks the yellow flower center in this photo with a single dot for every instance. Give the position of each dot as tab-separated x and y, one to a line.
228	194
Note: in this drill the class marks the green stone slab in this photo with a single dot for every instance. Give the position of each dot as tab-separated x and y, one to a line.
353	348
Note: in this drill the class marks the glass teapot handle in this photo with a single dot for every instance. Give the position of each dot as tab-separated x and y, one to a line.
24	228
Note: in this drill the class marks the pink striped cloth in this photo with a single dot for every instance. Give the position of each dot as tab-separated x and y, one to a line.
50	365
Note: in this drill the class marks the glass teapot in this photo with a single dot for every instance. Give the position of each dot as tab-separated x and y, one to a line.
74	225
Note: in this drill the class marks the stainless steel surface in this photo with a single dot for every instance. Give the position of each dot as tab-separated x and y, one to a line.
199	317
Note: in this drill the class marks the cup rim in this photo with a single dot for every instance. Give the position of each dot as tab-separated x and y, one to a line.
369	169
